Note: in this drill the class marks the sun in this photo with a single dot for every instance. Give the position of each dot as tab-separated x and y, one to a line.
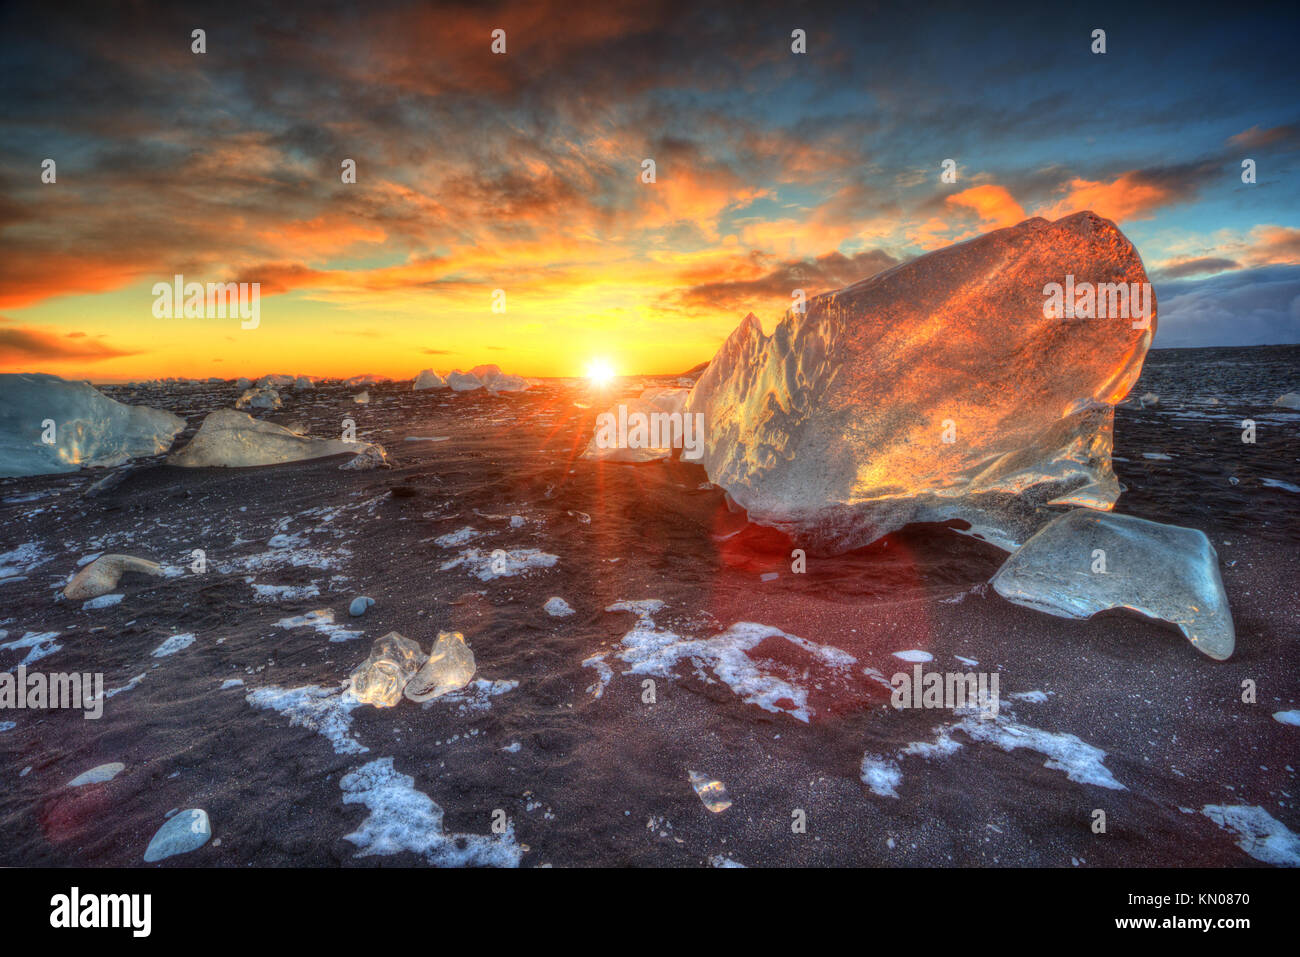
600	372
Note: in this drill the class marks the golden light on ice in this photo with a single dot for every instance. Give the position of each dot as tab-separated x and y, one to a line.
600	371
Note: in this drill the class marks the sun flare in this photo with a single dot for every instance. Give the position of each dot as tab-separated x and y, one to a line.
600	372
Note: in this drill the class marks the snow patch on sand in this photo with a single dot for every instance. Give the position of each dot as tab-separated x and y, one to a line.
172	645
322	619
404	819
650	650
500	563
38	643
327	711
1081	762
1259	834
882	775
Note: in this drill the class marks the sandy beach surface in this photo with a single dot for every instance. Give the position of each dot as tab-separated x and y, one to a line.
243	715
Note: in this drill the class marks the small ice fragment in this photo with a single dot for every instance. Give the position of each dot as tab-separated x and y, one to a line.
103	601
712	793
1289	401
558	607
1287	717
450	666
172	645
393	660
914	655
769	576
102	575
359	605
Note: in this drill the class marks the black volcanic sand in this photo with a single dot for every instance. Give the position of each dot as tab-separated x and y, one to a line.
604	780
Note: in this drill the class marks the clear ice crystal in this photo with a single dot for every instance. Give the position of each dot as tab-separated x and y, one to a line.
1086	561
939	389
394	659
450	667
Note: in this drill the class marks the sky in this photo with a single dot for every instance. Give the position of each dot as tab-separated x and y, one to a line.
500	212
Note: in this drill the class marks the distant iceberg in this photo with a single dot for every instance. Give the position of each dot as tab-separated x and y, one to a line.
49	425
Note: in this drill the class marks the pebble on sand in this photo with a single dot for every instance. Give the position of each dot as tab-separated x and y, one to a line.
187	831
105	772
359	605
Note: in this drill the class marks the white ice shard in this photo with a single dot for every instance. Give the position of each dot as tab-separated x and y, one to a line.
233	439
243	383
450	667
944	388
1087	561
368	379
641	429
51	425
259	398
428	379
102	575
507	383
1289	401
463	381
302	383
362	398
275	381
379	680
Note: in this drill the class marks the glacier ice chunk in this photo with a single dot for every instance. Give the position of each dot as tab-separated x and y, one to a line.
463	381
1086	561
380	679
82	425
233	439
428	379
450	667
102	575
259	398
939	389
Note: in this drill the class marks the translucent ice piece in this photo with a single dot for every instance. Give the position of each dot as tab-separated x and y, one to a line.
712	793
393	660
939	389
48	425
102	575
449	668
232	439
1086	561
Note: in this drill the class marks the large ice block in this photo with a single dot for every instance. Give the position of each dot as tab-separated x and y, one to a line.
233	439
1086	561
48	424
939	389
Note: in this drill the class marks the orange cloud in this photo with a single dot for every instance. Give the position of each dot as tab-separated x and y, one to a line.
1130	196
994	205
